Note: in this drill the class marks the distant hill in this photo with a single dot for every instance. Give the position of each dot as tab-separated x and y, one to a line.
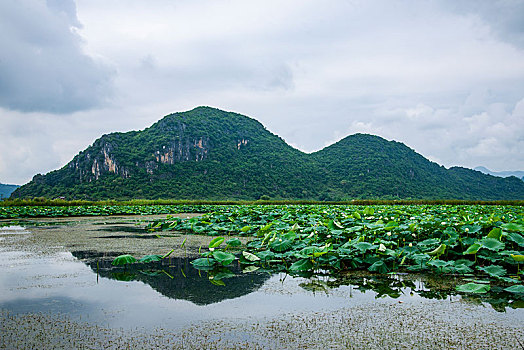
517	173
207	153
6	190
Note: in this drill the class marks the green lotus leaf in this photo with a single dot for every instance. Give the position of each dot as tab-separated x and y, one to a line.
150	258
246	228
203	263
472	249
518	289
123	260
508	280
391	225
438	263
378	266
493	270
265	255
429	242
513	227
301	265
353	229
495	233
335	225
465	262
310	251
364	246
281	245
369	211
233	242
516	237
291	235
473	288
471	228
461	268
215	242
492	244
223	258
438	251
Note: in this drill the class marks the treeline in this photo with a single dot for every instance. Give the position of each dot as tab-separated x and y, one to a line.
146	202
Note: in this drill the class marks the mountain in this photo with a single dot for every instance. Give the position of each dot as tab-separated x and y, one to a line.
207	153
6	190
516	173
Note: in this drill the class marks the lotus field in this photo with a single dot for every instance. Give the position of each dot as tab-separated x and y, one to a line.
484	244
16	212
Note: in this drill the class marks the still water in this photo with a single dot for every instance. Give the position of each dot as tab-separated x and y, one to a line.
51	269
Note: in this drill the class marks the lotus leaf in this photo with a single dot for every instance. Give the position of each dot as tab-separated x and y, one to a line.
492	244
378	266
281	245
301	265
519	289
493	270
203	263
215	242
516	237
495	233
249	256
472	249
150	258
513	227
223	258
473	288
233	242
123	260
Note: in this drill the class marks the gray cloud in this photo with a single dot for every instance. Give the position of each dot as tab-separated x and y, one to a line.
505	17
444	77
43	65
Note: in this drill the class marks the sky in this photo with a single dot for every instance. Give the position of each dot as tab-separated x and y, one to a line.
444	77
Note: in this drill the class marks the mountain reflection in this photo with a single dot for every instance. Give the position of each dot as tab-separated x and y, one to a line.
176	278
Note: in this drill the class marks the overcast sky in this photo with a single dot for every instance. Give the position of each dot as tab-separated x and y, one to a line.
444	77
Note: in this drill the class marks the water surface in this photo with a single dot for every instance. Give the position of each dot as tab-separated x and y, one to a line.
62	269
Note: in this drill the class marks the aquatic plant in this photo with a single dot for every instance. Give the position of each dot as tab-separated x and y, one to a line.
459	240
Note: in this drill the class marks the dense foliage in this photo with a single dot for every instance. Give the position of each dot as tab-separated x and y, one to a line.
210	154
15	212
461	240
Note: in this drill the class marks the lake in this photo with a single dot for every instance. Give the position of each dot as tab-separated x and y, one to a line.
58	289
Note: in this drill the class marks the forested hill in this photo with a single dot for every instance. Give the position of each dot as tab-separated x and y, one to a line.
6	190
207	153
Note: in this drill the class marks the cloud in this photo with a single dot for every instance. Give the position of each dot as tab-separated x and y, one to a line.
444	77
43	66
503	16
493	136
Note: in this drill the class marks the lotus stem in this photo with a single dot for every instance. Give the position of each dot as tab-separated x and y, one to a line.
168	254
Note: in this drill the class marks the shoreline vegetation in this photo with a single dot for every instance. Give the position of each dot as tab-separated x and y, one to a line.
157	202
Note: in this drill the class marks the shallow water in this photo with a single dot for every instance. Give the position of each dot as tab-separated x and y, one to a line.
63	270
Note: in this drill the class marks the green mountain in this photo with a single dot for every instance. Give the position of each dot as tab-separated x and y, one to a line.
6	190
207	153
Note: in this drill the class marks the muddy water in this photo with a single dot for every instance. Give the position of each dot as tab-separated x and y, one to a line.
58	290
